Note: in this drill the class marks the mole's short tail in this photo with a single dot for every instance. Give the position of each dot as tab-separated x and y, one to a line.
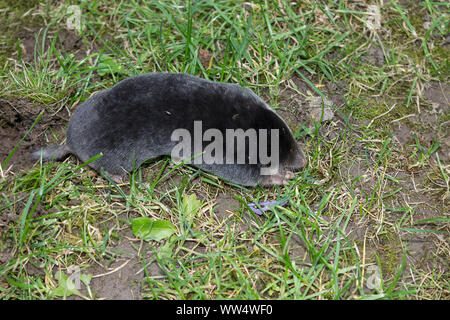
52	153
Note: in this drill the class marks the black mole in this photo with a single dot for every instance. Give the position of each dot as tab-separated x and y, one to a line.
136	119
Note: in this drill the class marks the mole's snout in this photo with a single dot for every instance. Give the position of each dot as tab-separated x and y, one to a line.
297	159
302	161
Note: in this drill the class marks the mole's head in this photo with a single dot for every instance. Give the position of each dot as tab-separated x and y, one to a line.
291	155
296	158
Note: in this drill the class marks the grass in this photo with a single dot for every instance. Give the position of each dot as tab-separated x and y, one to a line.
355	213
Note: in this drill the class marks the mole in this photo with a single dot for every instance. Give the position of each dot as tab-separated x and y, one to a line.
222	128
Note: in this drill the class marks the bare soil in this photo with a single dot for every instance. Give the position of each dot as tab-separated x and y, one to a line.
16	118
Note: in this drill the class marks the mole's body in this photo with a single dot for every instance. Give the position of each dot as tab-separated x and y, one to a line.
134	121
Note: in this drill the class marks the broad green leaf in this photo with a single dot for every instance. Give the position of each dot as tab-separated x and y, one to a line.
86	278
147	229
191	205
66	287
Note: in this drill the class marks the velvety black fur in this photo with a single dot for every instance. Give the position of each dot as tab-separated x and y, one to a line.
134	120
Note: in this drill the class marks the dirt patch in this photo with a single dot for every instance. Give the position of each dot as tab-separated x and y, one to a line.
32	39
302	106
439	93
429	125
226	204
402	133
16	118
120	278
25	36
374	56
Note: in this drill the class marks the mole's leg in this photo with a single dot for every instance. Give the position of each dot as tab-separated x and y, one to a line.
289	175
116	178
278	179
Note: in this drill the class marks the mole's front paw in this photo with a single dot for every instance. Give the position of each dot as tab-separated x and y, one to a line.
116	178
278	179
289	175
